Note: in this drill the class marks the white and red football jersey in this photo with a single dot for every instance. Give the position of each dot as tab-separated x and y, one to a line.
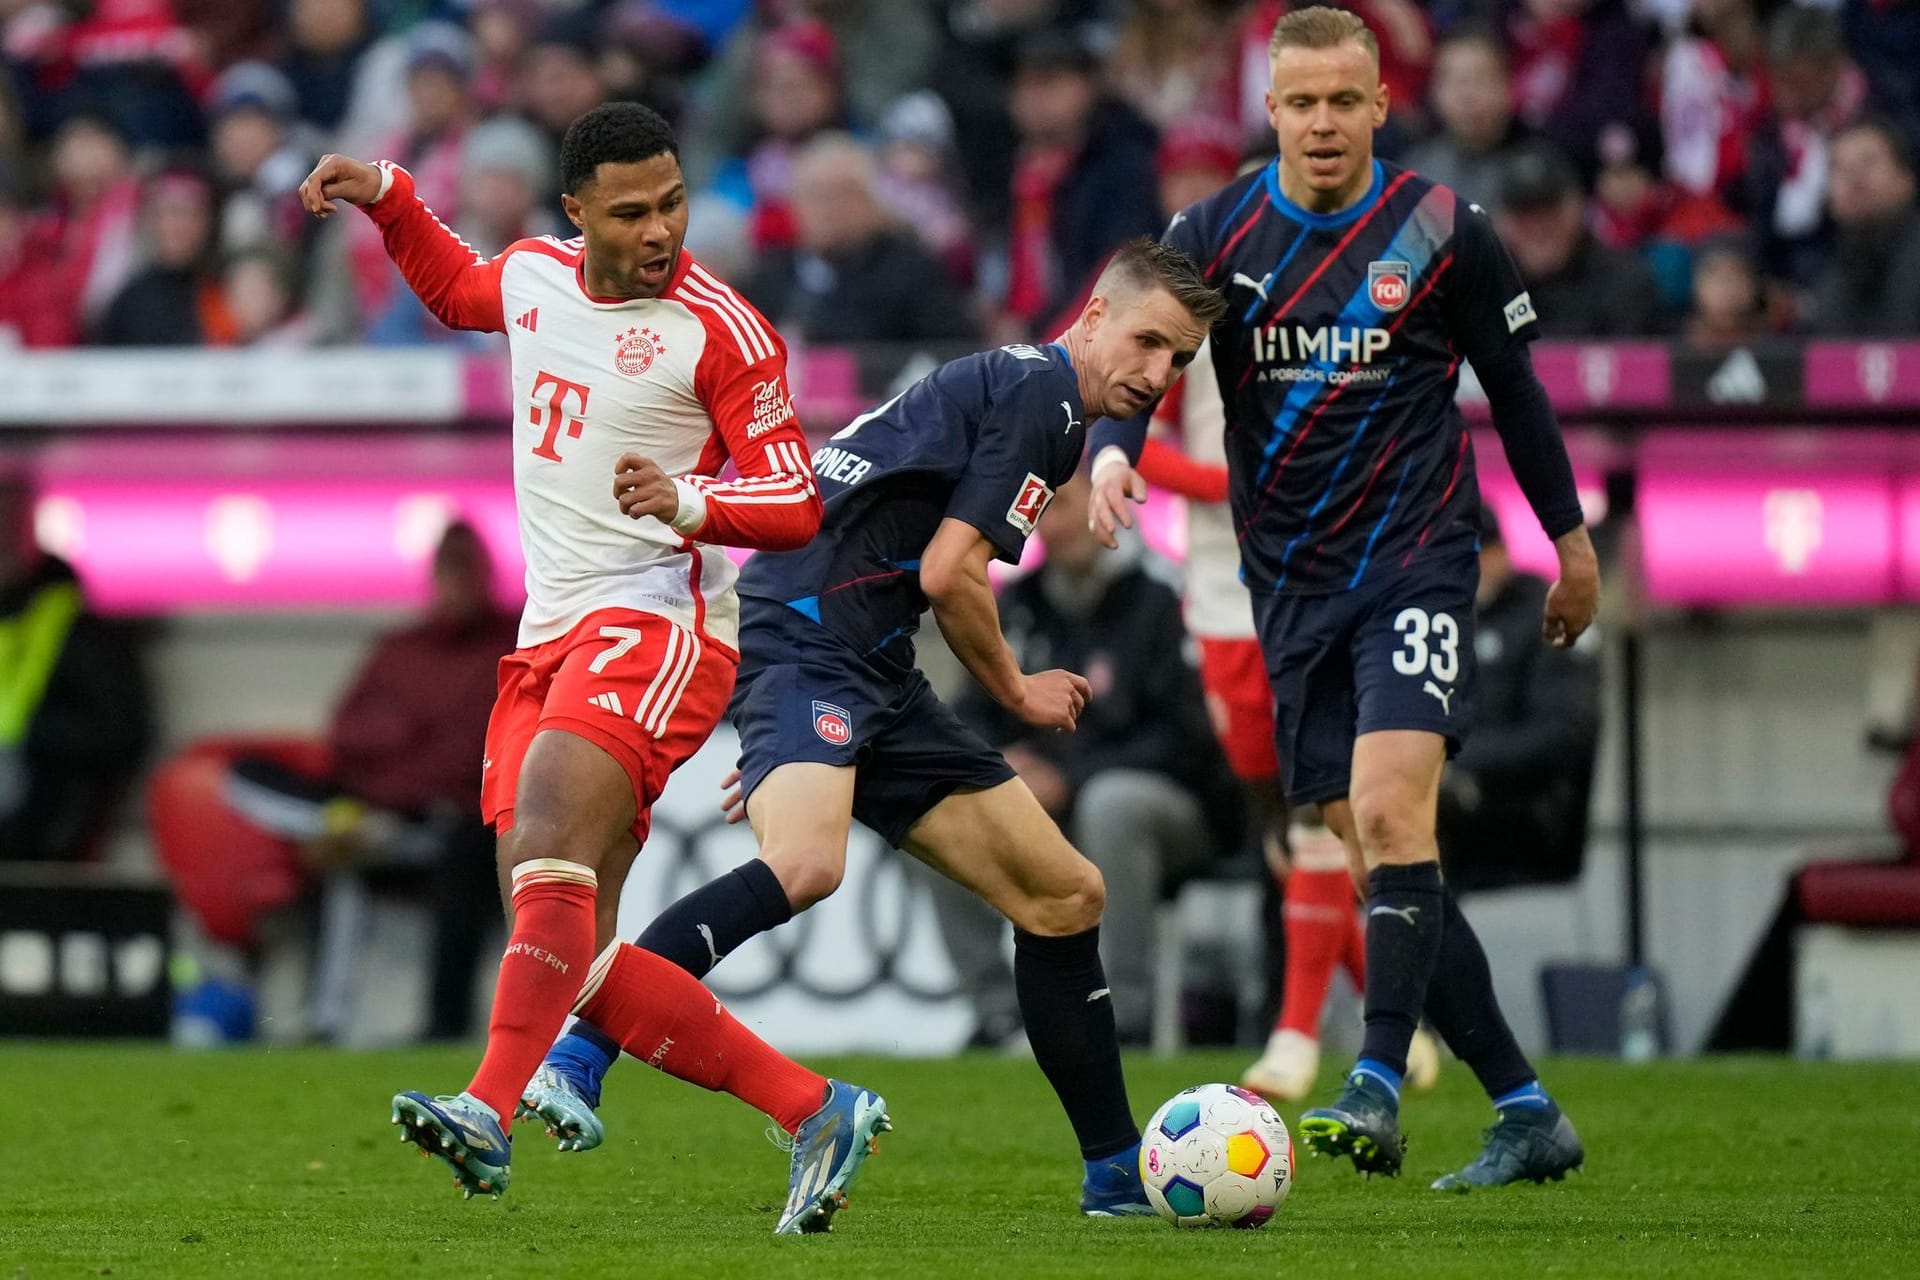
1217	602
692	379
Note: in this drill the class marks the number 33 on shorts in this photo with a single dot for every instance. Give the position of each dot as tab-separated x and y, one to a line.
1429	646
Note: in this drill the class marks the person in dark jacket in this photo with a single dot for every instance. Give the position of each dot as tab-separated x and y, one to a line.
1140	785
1872	284
854	275
176	300
75	716
1513	803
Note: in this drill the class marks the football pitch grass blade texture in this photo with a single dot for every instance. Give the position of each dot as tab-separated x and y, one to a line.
142	1162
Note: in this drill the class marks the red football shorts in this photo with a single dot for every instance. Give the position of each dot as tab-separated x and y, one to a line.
1240	704
646	692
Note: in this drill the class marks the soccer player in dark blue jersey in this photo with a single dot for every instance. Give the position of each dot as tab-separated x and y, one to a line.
836	723
1355	289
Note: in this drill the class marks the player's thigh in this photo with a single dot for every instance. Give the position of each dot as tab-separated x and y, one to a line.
1395	793
920	752
801	814
1303	642
1003	846
1413	656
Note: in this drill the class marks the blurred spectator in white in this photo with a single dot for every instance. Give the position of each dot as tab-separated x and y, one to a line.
920	180
1731	302
1083	181
74	709
882	49
175	299
258	158
1174	60
1817	91
854	274
89	227
1872	284
259	289
36	295
1473	106
1580	287
1712	86
1578	65
325	39
508	180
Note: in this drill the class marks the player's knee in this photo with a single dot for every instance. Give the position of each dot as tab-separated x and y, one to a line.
808	873
1391	832
1073	905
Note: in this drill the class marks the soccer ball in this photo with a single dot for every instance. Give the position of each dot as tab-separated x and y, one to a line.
1216	1154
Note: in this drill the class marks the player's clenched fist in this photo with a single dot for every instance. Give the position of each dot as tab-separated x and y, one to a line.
1052	699
339	178
644	489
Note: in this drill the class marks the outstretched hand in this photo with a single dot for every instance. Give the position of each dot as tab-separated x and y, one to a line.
1115	485
732	803
339	177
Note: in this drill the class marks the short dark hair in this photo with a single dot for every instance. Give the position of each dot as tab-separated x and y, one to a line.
612	133
1148	264
1885	128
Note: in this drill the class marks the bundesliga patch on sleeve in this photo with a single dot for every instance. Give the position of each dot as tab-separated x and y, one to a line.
1519	312
1034	496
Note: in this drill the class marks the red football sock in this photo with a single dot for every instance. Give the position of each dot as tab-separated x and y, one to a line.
546	961
1320	923
662	1015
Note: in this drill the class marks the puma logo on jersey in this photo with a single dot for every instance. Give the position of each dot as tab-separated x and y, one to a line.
1072	421
1258	286
1446	698
706	935
1403	913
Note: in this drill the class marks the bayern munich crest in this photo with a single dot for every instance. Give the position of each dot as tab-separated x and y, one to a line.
1389	284
634	354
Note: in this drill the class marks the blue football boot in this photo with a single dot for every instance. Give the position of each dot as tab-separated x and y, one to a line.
828	1150
1112	1187
461	1131
565	1105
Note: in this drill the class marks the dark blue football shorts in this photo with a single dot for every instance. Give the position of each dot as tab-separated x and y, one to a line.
1393	653
802	695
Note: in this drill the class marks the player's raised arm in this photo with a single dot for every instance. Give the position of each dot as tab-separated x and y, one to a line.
461	288
953	574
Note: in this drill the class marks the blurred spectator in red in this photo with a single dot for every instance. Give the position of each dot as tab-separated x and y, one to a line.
502	32
798	94
36	295
1195	160
128	60
88	229
1817	90
920	180
175	300
74	711
1872	284
1713	97
1731	302
1083	180
508	176
853	274
1580	287
259	288
326	39
1175	60
228	31
1577	66
1473	106
882	49
258	158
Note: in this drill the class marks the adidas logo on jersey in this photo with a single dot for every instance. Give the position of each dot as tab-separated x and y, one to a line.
608	701
530	321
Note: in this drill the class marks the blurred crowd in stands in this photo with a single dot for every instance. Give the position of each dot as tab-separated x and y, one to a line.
1711	170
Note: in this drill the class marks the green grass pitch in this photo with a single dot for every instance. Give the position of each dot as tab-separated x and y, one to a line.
141	1162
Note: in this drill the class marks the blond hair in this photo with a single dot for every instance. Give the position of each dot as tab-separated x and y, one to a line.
1321	27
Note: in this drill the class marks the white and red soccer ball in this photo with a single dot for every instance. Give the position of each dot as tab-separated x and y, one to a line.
1217	1155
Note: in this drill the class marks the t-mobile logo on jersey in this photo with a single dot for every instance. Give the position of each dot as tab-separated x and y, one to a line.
550	415
541	954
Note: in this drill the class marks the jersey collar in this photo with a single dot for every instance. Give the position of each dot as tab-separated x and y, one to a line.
1271	176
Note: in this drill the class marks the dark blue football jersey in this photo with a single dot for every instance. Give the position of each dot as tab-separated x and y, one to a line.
1338	359
986	439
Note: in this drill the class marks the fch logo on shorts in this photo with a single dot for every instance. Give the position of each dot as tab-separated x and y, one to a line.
832	723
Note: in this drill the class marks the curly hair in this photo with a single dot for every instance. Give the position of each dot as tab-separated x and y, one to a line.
612	133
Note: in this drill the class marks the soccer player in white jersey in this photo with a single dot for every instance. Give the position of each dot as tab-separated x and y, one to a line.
637	376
